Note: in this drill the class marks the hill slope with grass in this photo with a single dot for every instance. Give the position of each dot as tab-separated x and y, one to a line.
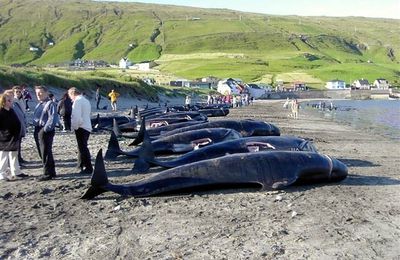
196	42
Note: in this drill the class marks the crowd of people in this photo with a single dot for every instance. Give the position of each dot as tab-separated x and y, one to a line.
71	113
233	101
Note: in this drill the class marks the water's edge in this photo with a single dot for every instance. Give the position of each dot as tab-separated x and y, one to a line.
379	117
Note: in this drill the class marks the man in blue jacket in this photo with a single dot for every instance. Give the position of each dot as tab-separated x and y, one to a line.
45	118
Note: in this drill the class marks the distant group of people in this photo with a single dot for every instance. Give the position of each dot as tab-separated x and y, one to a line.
74	110
232	100
294	107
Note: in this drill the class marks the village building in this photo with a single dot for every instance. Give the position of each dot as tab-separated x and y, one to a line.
124	63
361	84
230	86
144	66
200	84
211	80
381	84
335	84
299	85
279	84
180	83
256	90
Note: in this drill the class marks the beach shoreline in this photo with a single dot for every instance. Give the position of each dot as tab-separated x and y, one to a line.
356	218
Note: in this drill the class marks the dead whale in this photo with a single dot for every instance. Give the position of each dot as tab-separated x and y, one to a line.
263	171
156	131
194	115
147	158
106	122
178	143
214	112
246	127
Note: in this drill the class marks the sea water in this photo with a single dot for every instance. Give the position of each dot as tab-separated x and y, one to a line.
377	117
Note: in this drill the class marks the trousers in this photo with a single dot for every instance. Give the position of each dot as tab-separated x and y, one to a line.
9	159
84	160
44	144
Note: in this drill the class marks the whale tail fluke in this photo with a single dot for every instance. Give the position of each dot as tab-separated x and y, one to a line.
99	178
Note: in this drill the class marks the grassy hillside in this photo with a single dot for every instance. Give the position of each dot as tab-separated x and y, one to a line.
195	42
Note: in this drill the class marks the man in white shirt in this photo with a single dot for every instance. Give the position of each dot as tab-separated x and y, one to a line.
80	122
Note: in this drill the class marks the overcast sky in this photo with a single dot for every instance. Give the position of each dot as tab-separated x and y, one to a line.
367	8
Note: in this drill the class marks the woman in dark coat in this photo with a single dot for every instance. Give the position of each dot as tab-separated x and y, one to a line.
10	128
64	109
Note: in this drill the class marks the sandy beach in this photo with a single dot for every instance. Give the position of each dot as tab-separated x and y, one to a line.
358	218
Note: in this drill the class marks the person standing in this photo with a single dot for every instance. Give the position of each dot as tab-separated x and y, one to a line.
10	128
98	98
188	101
80	122
113	95
19	109
209	99
45	118
64	109
26	96
295	108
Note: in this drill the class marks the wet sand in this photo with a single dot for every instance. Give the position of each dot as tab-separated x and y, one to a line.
357	218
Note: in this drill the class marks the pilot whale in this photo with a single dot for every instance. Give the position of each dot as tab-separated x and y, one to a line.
246	127
177	143
263	170
147	158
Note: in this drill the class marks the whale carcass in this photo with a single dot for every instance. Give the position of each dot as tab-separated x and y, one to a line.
262	170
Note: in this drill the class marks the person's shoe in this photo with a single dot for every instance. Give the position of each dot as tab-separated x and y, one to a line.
23	175
86	171
45	178
13	178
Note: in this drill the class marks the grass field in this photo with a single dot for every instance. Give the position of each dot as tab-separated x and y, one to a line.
194	42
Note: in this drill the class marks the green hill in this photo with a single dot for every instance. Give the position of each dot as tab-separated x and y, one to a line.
195	42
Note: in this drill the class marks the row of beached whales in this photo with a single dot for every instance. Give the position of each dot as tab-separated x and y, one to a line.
208	154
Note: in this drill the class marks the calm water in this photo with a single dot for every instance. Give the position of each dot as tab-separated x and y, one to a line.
380	117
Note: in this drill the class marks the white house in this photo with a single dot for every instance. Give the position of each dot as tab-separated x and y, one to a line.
144	66
335	84
229	87
33	49
212	81
279	84
124	63
361	84
381	84
255	90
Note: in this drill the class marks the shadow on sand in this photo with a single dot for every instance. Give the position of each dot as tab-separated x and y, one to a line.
358	163
360	180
